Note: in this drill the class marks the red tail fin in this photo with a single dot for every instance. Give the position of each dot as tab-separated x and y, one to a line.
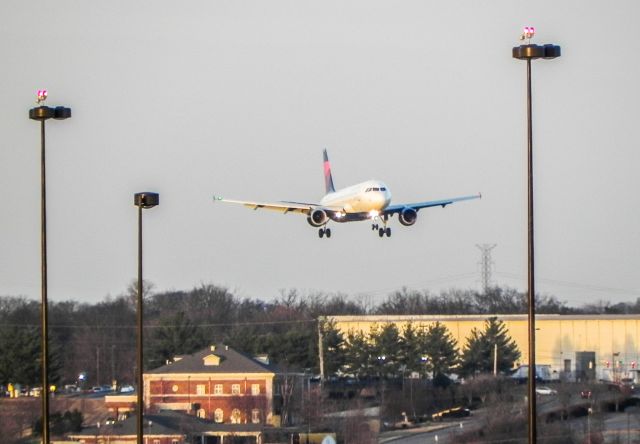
328	179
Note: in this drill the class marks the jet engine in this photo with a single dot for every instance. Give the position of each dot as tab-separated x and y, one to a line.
317	218
408	216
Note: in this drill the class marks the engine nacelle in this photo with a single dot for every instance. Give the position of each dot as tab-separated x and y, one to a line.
408	217
317	218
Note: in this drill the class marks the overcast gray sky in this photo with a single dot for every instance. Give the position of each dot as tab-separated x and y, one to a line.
239	98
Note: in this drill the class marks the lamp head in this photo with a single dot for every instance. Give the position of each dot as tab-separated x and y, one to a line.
146	199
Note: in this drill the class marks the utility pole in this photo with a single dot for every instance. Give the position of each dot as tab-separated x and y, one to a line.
320	351
486	264
98	366
113	365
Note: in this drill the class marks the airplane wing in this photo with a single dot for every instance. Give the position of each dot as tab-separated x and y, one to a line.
281	206
392	209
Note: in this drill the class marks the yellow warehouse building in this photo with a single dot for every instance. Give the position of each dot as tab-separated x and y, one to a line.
609	343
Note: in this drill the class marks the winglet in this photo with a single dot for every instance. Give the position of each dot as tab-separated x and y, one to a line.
328	179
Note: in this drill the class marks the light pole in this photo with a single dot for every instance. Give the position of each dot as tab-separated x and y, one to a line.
530	52
142	201
41	114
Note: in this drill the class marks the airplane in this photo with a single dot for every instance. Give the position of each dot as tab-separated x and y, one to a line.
369	200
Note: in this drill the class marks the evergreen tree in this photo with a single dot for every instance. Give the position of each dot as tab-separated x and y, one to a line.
472	354
411	354
481	348
176	335
333	343
358	355
385	350
440	350
20	355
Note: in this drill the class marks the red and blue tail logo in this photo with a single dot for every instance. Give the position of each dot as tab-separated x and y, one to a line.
328	179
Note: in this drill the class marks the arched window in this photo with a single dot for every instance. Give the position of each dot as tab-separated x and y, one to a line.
202	413
218	415
255	416
236	416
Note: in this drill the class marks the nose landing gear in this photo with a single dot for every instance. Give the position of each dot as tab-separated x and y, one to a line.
384	230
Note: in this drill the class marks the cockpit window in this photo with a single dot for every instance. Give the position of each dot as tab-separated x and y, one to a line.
383	189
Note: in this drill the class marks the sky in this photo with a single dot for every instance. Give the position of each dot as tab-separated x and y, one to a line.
192	99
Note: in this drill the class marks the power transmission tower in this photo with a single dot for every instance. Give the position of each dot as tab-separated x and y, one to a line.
486	264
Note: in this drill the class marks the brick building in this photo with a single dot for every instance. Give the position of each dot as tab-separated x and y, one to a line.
217	383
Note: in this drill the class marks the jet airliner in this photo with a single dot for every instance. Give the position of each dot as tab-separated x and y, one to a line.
370	200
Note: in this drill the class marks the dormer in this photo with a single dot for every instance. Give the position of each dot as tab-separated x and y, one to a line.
211	360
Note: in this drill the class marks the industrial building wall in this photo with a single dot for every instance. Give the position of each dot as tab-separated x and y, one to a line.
613	338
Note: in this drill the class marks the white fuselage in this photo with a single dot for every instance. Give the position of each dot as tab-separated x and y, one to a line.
365	197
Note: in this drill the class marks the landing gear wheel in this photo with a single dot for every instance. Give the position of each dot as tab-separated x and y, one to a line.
388	231
381	232
374	227
321	233
328	232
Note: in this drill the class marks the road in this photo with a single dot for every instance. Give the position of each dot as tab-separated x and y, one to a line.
440	433
618	427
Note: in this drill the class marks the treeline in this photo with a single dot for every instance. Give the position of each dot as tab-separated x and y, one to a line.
98	340
387	352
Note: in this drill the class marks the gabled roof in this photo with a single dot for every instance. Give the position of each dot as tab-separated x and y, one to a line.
165	423
214	359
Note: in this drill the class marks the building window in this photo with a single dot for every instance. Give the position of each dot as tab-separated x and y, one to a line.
174	388
235	416
156	441
255	416
255	389
217	389
218	416
200	389
174	441
235	389
202	413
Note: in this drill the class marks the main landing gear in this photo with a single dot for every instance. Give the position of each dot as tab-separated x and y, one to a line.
381	230
324	232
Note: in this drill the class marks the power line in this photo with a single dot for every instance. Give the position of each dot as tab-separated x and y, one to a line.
573	284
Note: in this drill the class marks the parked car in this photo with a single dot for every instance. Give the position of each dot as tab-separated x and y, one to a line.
127	389
96	389
627	382
544	391
35	391
455	412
